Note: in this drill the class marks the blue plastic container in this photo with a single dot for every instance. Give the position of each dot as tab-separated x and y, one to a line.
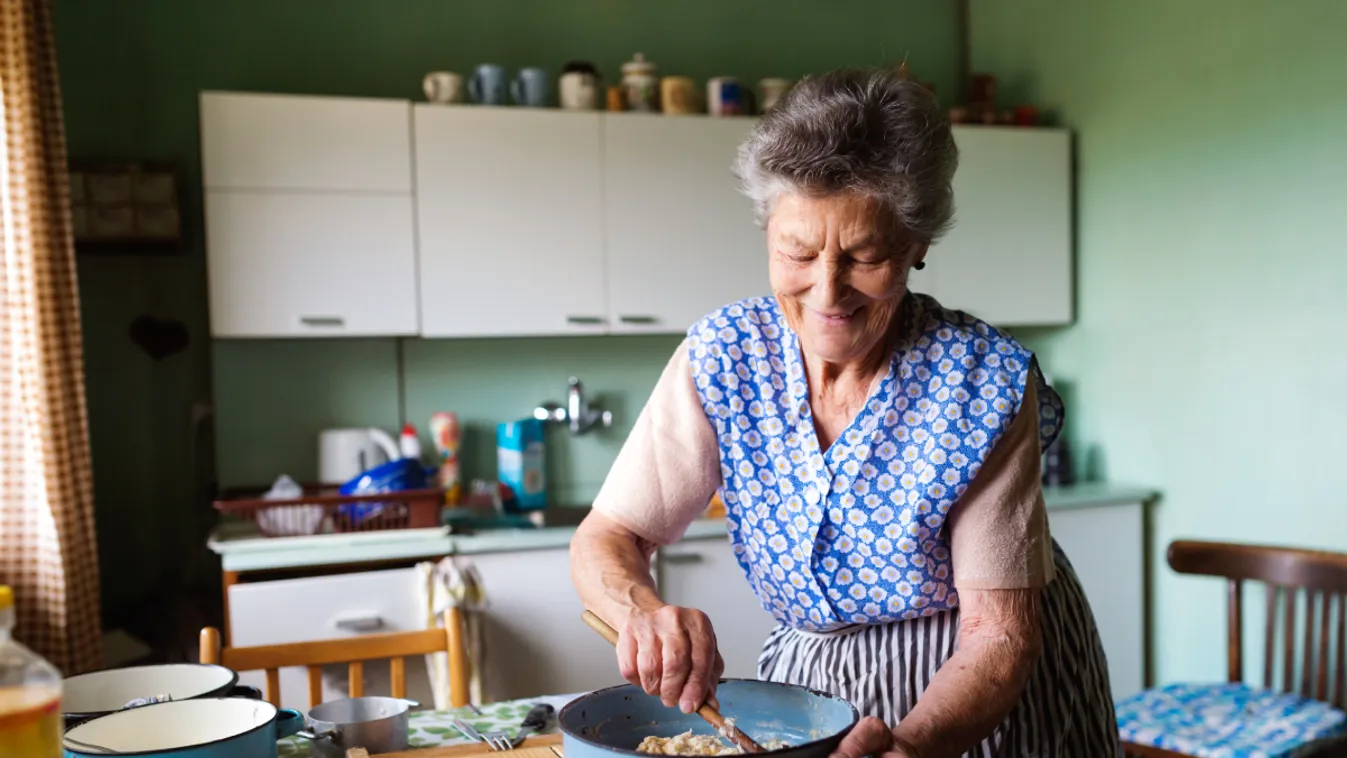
402	474
520	463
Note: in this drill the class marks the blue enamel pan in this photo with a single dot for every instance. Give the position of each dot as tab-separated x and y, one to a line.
613	721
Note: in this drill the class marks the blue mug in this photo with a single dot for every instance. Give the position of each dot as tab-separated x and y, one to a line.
487	84
531	87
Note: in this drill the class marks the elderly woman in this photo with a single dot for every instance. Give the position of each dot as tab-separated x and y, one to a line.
878	456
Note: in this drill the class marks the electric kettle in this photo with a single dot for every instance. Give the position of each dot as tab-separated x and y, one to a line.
344	454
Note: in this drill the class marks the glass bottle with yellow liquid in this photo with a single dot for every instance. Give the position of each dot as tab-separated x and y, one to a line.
30	695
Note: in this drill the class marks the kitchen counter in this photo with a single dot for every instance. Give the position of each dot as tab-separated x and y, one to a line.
241	550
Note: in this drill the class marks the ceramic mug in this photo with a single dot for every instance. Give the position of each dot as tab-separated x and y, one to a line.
579	91
724	96
531	87
487	85
772	90
443	87
678	95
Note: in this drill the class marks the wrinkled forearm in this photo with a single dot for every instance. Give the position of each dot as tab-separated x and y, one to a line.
999	644
610	567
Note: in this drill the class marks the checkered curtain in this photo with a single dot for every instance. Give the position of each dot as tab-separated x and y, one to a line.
48	552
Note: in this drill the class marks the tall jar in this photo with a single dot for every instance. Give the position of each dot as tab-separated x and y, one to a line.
640	85
30	694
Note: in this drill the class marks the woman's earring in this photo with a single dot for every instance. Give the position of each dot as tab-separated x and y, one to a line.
919	265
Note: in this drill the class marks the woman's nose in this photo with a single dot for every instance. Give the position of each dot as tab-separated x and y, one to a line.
831	283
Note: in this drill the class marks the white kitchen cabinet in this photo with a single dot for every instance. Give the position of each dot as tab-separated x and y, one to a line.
1106	547
509	216
309	264
705	575
263	141
1008	258
536	642
329	607
347	216
679	238
309	215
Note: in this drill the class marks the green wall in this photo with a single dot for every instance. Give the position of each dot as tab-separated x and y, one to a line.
273	396
130	72
1212	274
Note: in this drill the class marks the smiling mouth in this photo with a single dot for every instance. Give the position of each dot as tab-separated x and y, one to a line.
837	318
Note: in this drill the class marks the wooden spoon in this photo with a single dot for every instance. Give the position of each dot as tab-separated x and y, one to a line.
707	711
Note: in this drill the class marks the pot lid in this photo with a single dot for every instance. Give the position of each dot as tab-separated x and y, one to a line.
638	65
584	67
112	689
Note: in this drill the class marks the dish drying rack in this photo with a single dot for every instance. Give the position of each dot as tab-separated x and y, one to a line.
322	509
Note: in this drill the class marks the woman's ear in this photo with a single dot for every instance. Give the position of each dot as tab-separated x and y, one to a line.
919	253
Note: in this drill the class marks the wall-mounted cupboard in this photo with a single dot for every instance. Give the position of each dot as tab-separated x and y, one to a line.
344	216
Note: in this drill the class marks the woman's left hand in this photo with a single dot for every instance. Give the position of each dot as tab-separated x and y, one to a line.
871	737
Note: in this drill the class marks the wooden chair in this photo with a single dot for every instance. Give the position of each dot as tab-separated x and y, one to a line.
353	651
1313	633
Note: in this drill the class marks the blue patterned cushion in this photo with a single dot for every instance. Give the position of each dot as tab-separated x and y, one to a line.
1227	721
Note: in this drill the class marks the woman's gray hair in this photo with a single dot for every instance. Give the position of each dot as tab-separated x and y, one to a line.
863	131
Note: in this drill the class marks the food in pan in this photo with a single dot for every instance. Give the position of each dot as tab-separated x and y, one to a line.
688	743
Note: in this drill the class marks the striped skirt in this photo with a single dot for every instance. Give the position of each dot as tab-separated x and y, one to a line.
1066	710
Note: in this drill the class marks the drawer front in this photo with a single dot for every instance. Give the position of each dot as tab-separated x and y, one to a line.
329	607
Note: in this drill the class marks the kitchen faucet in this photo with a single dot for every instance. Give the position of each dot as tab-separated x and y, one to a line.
578	414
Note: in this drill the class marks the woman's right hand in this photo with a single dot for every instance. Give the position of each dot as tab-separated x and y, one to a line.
671	652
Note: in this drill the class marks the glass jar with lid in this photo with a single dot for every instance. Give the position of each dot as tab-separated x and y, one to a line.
640	85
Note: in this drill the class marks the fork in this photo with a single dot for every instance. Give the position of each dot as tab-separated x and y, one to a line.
495	740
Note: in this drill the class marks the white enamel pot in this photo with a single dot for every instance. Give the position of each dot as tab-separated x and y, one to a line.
202	728
101	692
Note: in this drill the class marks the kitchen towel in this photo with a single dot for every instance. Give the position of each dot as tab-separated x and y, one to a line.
453	582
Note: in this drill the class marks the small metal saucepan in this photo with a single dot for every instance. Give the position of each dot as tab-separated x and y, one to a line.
378	724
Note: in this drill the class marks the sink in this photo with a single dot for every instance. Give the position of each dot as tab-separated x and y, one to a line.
561	515
553	516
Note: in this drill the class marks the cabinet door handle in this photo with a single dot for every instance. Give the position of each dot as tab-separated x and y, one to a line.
682	559
322	320
359	623
584	320
643	320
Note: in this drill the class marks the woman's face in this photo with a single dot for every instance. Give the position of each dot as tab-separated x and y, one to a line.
839	269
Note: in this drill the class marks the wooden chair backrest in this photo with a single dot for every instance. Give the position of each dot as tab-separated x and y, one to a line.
353	651
1320	576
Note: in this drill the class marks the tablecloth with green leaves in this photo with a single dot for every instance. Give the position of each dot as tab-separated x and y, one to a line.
429	728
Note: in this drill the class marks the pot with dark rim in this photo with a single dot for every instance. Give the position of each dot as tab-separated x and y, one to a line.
613	721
